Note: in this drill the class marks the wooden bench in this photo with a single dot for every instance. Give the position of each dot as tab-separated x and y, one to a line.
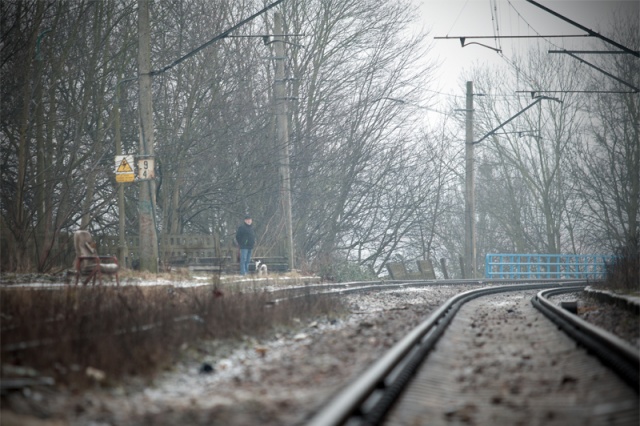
426	269
226	264
398	271
274	263
206	264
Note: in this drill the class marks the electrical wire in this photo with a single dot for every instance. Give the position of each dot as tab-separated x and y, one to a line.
495	24
458	17
519	70
220	36
574	56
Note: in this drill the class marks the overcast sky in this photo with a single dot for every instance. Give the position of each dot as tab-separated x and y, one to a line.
509	17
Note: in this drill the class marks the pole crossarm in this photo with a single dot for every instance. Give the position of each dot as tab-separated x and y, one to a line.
582	27
513	36
608	74
541	98
533	92
592	52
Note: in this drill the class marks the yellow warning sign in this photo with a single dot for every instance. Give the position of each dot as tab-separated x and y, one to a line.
124	170
124	167
128	177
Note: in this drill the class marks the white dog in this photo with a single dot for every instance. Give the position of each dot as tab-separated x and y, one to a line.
261	268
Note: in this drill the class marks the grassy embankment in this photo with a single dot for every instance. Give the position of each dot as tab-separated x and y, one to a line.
623	276
82	336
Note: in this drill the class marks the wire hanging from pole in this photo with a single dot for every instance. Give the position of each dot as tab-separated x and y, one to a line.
220	36
495	24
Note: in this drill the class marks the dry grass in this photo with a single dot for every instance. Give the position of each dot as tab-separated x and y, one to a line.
83	335
624	275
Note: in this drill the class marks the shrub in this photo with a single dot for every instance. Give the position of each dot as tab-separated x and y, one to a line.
624	274
344	271
78	334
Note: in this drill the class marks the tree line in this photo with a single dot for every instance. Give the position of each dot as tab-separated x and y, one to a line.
370	180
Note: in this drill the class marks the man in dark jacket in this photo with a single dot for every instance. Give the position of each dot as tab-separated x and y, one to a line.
246	240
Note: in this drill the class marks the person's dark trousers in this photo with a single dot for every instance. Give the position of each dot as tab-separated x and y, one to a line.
245	258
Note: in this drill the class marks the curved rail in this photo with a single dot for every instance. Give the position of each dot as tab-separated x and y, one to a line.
364	286
617	354
369	397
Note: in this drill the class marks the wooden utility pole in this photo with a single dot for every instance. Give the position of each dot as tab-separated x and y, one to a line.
282	135
122	242
148	249
469	193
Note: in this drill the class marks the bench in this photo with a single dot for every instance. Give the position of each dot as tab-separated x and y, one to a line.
274	263
426	269
228	264
398	271
205	264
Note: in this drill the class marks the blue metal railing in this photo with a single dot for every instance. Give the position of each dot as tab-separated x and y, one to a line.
589	266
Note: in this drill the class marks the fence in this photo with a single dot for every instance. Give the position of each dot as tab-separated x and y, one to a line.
173	250
204	252
590	266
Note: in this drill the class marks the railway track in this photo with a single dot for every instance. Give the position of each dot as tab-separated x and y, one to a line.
295	373
376	286
500	362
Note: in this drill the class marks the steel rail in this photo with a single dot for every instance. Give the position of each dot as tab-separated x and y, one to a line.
618	355
363	286
367	399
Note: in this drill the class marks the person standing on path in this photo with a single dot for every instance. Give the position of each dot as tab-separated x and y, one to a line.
246	240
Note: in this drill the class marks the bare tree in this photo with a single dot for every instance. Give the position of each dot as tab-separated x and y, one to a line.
524	181
348	133
352	142
214	117
66	182
23	24
562	177
608	162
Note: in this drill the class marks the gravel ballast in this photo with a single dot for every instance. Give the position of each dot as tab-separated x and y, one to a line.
280	381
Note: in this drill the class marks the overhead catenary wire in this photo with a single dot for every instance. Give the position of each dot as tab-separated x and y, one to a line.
496	24
458	17
538	35
533	92
608	74
220	36
590	33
